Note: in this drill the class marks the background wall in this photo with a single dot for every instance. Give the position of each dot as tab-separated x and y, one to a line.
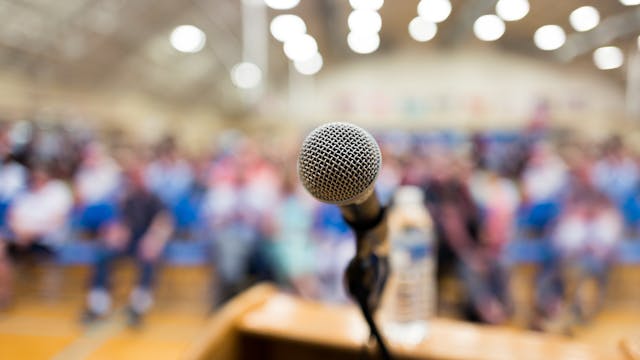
136	114
461	89
465	89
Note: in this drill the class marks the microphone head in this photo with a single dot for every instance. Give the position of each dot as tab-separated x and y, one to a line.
339	163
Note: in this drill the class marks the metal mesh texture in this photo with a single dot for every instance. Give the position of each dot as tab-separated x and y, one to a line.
339	163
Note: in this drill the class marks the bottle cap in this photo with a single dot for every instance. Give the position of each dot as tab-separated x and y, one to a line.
408	195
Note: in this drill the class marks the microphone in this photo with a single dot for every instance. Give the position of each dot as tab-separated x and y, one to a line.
339	164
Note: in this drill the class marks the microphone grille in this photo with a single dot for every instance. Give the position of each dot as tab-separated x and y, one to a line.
339	163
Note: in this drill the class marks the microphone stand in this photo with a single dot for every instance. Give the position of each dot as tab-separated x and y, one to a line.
367	273
365	278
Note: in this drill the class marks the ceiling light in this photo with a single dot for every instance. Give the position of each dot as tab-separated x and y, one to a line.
311	66
434	10
549	37
608	57
282	4
246	75
584	18
488	28
363	42
366	4
422	30
300	47
512	10
364	21
284	26
187	39
630	2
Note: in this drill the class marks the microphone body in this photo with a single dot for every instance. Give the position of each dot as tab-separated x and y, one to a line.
368	220
338	164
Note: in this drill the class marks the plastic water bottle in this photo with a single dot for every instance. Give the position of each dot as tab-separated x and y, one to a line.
410	293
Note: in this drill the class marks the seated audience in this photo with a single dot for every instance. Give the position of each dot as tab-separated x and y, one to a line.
615	173
96	182
169	176
334	249
36	222
261	226
243	190
142	230
543	181
293	254
584	243
461	253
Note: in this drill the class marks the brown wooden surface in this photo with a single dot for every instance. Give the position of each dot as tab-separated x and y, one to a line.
284	317
43	323
220	339
263	321
630	347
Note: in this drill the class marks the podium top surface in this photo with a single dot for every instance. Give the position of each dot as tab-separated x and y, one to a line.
341	326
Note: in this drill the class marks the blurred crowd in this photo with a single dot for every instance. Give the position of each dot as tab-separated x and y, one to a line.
494	195
486	194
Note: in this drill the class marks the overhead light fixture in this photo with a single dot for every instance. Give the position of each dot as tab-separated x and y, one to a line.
285	26
363	42
300	47
422	30
364	21
282	4
434	10
187	39
488	28
608	57
366	4
630	2
549	37
512	10
584	18
246	75
309	67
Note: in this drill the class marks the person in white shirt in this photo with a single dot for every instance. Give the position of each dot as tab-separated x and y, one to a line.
12	182
545	175
37	220
96	185
13	176
584	241
39	215
544	182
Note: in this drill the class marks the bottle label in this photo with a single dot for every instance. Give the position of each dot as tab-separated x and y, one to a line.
414	244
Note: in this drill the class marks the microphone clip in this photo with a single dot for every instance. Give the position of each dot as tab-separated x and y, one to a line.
365	278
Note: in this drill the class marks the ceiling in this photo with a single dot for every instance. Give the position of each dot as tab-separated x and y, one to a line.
116	44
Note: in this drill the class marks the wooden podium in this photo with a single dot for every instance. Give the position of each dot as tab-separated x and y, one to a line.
262	323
